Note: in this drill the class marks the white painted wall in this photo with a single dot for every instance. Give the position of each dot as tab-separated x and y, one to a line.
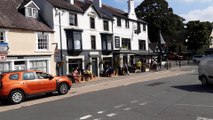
84	24
124	32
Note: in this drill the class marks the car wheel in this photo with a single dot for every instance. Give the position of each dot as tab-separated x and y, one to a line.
63	88
204	81
16	96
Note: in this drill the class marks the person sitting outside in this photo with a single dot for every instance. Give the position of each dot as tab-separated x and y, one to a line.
75	75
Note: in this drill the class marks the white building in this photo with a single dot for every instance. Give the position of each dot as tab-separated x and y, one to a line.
91	35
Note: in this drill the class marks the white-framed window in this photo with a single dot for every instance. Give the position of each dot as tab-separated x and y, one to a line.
73	19
2	36
43	41
39	65
4	67
31	12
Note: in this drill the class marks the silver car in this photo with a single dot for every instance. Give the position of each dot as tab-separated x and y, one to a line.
205	70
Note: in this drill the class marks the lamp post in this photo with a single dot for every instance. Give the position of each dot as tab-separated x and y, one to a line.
58	12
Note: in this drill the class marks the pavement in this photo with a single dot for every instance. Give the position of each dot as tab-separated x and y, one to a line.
105	83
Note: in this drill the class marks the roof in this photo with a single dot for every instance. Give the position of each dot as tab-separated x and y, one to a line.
65	5
119	13
13	19
101	12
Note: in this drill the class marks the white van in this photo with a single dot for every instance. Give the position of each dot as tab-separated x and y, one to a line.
205	70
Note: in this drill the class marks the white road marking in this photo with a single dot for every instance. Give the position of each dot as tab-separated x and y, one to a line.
143	103
85	117
127	109
111	114
119	106
209	106
100	112
97	119
203	118
134	101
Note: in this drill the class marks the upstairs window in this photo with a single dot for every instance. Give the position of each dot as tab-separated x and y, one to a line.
31	12
144	27
43	42
119	22
106	25
92	22
73	19
106	42
127	23
93	42
74	40
142	45
2	36
126	43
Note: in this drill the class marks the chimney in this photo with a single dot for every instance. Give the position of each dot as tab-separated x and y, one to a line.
70	1
131	10
97	3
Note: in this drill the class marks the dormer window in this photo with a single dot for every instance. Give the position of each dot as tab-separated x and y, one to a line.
31	12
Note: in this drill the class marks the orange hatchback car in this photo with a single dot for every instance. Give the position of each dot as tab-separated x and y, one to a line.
18	85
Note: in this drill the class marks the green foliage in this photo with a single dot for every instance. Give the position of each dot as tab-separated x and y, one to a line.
138	64
160	17
197	34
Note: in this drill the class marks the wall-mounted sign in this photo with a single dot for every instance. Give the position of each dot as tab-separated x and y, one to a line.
4	48
117	42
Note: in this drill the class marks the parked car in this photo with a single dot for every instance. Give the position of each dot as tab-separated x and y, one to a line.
205	70
18	85
197	58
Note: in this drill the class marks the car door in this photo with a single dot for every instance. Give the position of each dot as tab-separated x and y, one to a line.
209	69
32	85
48	81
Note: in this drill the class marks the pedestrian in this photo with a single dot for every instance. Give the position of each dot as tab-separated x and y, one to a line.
126	68
75	75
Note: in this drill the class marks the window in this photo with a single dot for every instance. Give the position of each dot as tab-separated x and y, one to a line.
14	77
28	76
39	65
2	36
126	43
106	42
93	42
92	23
73	19
142	45
119	22
42	75
127	23
43	42
74	40
77	40
106	25
31	12
138	31
144	27
4	67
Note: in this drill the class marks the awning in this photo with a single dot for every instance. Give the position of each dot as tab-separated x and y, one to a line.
140	53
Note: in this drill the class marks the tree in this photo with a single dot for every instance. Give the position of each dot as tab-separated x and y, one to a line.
197	35
159	17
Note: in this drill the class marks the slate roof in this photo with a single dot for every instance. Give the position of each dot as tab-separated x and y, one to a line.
11	18
118	13
65	5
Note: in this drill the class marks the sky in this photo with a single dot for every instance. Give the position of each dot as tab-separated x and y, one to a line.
189	9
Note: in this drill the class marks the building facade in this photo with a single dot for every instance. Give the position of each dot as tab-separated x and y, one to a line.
29	41
91	35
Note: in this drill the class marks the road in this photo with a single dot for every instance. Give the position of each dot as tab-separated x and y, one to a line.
175	97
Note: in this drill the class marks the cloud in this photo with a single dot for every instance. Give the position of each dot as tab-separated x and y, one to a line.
137	2
197	1
202	15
